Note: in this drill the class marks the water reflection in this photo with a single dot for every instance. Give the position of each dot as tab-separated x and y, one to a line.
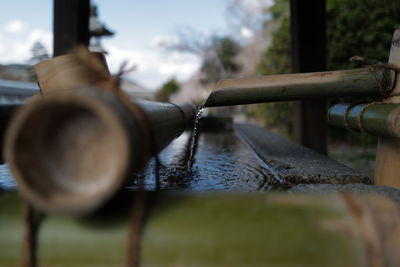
221	162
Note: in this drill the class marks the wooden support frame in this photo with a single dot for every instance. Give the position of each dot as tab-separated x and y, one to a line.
71	25
387	168
308	27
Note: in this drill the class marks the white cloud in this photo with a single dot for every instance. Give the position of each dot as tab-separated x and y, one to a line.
256	5
14	26
248	14
17	39
153	66
162	41
39	35
246	33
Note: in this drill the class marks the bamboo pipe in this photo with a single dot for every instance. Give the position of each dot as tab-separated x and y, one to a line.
288	87
375	118
72	151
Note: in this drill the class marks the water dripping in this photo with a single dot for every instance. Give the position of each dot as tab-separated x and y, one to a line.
193	139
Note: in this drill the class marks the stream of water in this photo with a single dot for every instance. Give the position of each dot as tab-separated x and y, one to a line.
199	115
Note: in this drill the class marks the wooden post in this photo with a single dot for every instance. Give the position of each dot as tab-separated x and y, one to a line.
308	54
71	25
387	168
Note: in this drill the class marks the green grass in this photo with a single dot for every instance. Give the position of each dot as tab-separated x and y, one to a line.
247	230
201	230
63	241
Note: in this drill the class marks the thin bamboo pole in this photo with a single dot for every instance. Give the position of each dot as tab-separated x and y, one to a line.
72	151
287	87
376	119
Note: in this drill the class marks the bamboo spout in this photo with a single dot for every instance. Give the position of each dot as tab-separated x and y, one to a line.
299	86
71	152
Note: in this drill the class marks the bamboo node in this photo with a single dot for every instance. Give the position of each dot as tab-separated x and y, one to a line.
376	66
346	116
361	113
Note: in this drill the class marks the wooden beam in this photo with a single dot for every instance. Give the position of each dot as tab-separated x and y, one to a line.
71	25
308	27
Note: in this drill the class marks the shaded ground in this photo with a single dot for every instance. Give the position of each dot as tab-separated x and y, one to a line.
359	157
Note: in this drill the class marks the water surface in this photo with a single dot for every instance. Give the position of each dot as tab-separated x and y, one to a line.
221	162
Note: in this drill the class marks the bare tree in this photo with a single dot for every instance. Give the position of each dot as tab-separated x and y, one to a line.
39	53
247	15
204	46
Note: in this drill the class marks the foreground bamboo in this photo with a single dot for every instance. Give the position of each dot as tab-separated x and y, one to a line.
72	151
379	119
286	87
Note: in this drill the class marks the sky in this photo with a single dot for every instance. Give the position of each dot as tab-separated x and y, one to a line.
140	26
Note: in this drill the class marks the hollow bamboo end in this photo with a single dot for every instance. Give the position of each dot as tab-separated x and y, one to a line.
68	153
